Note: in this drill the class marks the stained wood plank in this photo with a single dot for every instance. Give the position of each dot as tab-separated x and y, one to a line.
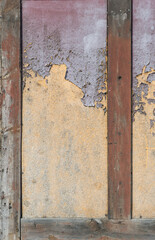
97	229
10	120
119	109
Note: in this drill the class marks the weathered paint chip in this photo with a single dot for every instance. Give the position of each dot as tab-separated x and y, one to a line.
74	43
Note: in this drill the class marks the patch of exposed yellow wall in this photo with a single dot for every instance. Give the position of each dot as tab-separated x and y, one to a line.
64	150
144	153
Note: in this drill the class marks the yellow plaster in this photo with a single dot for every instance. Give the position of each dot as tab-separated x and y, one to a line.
144	153
64	150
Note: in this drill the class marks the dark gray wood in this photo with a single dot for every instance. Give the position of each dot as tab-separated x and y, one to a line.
10	119
97	229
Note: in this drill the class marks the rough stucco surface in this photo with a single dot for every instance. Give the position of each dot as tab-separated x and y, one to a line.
144	109
64	109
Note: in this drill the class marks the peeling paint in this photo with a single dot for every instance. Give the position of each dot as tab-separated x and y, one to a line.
67	142
143	77
74	43
143	109
144	147
146	90
64	108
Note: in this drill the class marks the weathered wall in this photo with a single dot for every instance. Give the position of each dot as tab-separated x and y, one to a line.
64	109
143	109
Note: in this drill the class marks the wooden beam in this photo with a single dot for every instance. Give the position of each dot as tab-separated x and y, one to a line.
119	109
10	120
84	229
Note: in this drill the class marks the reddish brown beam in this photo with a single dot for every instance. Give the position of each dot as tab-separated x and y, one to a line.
10	120
119	109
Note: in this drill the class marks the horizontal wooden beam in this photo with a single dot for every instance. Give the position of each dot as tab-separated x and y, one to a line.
84	229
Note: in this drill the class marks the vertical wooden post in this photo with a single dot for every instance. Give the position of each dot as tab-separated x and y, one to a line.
119	108
10	118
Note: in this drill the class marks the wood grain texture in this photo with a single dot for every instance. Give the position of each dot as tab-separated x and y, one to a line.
10	118
119	109
97	229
